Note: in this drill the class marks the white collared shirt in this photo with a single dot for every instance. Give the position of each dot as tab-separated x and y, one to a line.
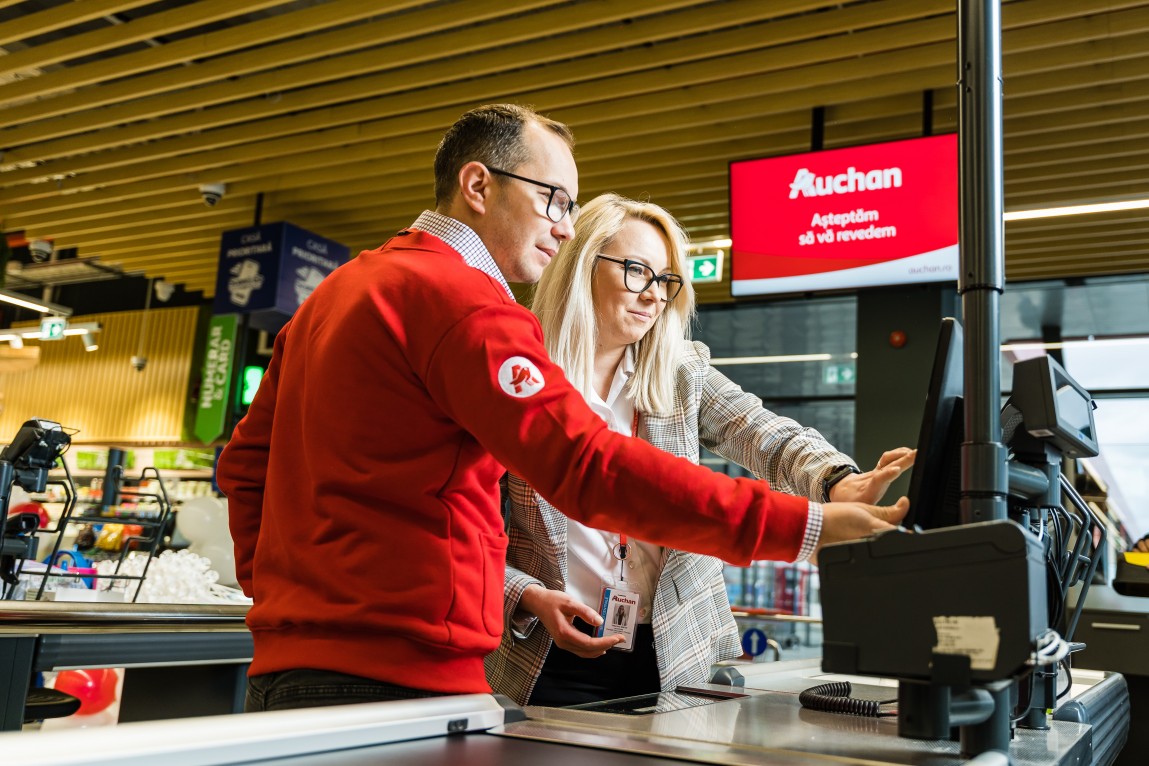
591	559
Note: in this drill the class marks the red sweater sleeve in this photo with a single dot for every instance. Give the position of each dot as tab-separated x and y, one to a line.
602	479
241	471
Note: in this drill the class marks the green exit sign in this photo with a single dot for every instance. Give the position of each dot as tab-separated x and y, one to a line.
52	328
252	376
706	268
839	373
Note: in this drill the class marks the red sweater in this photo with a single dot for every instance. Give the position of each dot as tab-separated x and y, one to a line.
362	483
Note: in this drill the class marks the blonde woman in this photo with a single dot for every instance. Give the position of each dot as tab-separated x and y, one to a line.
615	313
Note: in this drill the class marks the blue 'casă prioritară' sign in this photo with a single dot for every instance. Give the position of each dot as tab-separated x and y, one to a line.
268	271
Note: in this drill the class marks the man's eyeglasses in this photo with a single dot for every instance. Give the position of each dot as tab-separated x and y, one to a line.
637	277
558	204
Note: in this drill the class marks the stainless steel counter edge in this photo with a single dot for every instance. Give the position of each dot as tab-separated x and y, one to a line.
51	616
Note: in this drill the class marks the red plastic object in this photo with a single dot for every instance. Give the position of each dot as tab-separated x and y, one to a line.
35	508
96	689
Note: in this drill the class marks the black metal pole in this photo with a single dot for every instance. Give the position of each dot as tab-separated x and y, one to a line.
113	478
817	128
985	481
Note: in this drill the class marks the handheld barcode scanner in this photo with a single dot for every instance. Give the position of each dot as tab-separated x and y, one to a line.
26	462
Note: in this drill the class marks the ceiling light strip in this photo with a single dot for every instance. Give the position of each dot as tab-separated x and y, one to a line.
772	359
28	302
1100	207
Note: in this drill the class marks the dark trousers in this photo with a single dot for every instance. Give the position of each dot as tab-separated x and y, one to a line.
568	679
305	687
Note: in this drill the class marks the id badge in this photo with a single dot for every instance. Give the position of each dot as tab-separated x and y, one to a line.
619	611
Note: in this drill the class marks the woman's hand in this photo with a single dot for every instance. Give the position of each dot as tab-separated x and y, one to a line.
871	486
557	610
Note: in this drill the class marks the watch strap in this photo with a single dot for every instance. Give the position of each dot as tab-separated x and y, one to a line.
836	475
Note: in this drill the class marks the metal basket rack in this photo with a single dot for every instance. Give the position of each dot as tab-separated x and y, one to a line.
151	514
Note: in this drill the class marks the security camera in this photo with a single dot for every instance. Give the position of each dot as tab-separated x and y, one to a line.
212	193
40	250
139	363
164	290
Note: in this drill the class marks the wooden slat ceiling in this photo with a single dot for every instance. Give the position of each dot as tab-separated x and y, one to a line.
113	112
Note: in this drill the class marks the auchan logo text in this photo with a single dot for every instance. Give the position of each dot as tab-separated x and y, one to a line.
809	185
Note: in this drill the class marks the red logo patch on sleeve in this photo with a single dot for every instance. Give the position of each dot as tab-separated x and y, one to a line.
519	377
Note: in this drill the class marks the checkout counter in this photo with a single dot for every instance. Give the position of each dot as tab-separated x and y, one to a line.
179	660
1115	630
185	664
759	723
968	618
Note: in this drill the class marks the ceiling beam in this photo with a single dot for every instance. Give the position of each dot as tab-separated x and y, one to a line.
167	148
530	65
221	78
139	30
63	16
406	45
104	71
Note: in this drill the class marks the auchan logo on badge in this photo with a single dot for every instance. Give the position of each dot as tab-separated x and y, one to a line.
809	185
519	377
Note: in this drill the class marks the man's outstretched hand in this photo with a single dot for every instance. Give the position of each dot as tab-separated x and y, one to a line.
850	521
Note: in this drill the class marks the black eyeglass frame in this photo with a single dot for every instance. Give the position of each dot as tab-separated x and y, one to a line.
666	280
571	209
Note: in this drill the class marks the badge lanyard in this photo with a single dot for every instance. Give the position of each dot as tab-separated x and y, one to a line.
622	550
619	607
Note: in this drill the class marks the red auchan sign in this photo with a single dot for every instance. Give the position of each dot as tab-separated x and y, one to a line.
883	214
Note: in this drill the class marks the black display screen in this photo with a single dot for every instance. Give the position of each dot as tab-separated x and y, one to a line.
1074	412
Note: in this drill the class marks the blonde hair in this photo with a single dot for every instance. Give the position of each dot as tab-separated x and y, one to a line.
564	305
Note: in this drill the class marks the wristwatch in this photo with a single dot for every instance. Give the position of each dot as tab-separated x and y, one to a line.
835	476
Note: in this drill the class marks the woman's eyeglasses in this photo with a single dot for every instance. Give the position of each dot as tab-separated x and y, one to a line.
638	277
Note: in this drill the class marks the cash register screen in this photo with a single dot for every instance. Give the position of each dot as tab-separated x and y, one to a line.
1075	413
935	484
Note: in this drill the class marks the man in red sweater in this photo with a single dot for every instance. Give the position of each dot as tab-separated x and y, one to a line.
363	482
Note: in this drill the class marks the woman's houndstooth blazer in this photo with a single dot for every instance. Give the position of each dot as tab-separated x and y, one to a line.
691	618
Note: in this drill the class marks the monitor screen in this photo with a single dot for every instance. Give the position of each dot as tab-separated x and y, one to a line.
935	483
881	214
1074	412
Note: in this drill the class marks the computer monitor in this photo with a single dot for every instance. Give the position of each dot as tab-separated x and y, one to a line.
935	483
1056	408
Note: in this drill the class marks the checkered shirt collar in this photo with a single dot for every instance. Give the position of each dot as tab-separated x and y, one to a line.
463	239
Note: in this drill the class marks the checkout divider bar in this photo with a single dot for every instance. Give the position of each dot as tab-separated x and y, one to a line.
254	737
